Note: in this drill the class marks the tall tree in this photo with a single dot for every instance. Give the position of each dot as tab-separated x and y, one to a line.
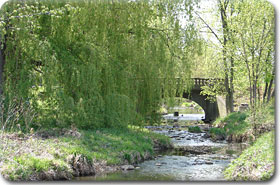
247	47
224	37
254	44
254	47
224	5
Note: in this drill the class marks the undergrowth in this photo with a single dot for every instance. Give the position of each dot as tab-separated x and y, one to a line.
194	129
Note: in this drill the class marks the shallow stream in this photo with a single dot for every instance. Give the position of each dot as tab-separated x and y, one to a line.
195	158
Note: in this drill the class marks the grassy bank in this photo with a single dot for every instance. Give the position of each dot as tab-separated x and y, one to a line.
255	163
63	154
243	127
233	128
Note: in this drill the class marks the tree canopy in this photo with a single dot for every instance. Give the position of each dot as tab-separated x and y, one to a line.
96	63
244	51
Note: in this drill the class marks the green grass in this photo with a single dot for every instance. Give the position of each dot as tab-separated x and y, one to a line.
255	163
233	124
112	145
20	159
241	124
217	131
194	129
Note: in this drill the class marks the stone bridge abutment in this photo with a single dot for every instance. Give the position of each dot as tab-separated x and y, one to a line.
212	109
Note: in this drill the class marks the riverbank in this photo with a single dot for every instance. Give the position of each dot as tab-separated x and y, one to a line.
65	154
194	157
256	163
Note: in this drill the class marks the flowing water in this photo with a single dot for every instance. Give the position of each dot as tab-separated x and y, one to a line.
195	157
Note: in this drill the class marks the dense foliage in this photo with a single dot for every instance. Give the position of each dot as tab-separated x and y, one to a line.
95	63
239	48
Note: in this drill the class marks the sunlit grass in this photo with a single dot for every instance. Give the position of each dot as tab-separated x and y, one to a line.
255	163
115	146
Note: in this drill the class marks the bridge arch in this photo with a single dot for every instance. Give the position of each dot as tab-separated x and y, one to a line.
211	109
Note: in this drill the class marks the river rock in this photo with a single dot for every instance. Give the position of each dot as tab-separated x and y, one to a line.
206	135
127	167
224	157
195	149
209	162
197	163
217	138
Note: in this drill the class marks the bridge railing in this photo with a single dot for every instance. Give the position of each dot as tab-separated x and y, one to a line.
196	81
206	81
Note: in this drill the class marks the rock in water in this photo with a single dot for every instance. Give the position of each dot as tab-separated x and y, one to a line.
208	162
127	167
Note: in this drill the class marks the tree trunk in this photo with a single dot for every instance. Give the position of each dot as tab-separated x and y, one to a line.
228	69
265	91
259	95
231	90
227	95
2	63
269	90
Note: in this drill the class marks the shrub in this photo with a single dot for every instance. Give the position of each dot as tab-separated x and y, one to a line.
217	131
195	129
234	123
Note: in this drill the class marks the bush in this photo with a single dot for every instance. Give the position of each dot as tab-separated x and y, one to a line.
234	123
195	129
217	131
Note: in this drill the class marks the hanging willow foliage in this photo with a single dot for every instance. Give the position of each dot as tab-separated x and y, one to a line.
96	64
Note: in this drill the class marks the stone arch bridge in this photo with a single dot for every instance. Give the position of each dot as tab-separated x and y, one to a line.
212	109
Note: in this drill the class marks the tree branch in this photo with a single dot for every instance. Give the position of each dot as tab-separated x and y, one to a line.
212	31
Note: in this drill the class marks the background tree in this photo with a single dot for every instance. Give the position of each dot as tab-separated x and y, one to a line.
254	48
223	36
245	36
254	44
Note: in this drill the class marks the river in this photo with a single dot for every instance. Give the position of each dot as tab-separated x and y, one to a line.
194	157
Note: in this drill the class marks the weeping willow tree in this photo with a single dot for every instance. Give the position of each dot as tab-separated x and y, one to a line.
96	64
